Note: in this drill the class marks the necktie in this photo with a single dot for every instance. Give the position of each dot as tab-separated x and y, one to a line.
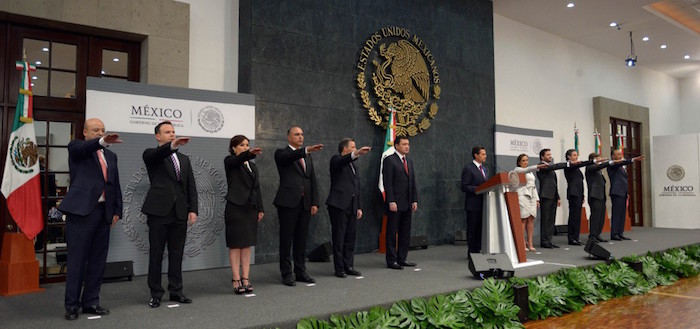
352	168
303	164
483	173
176	165
405	166
247	165
103	163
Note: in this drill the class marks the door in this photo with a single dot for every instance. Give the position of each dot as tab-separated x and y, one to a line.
632	147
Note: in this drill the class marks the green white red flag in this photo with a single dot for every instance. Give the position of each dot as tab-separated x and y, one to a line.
576	138
388	147
20	182
596	135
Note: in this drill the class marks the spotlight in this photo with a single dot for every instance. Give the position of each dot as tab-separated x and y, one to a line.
613	24
645	38
570	5
686	56
663	47
632	58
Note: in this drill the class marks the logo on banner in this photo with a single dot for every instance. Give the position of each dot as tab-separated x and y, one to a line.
210	119
24	154
675	173
211	190
398	71
537	145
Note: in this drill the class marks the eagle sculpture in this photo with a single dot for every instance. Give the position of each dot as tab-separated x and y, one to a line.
409	73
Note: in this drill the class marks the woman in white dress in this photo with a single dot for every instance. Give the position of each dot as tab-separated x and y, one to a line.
527	197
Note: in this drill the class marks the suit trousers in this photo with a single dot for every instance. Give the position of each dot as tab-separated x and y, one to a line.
87	239
597	216
294	227
548	211
474	228
619	210
574	228
161	231
343	227
398	222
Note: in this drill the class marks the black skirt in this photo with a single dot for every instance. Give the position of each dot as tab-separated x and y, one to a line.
241	225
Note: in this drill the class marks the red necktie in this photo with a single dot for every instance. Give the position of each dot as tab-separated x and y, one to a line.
103	163
303	164
405	166
483	173
175	164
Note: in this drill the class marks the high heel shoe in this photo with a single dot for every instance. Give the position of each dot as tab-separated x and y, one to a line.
240	289
248	287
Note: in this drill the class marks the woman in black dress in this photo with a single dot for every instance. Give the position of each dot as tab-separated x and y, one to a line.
244	209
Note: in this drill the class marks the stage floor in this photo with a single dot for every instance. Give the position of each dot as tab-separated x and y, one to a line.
440	269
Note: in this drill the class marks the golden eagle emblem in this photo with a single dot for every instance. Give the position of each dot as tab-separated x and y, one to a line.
409	74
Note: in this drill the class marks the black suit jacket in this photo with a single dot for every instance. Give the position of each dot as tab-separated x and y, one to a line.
548	181
345	184
87	181
295	184
471	179
596	181
618	178
166	191
243	185
574	180
398	186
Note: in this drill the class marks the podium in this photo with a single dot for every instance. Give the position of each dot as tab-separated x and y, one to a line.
501	230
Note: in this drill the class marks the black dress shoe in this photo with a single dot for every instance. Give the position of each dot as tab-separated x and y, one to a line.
394	266
616	238
288	281
341	274
96	309
600	239
352	271
303	277
72	315
624	237
154	302
554	245
548	245
180	299
407	264
575	243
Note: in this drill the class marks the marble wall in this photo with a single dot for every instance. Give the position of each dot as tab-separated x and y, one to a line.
299	59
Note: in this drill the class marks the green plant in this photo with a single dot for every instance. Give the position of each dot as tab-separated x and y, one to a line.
583	285
493	306
620	280
653	274
547	297
693	251
676	261
313	323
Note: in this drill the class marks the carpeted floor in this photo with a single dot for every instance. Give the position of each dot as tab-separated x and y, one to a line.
442	269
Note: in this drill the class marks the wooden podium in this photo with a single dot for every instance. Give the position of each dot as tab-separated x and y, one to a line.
502	228
19	269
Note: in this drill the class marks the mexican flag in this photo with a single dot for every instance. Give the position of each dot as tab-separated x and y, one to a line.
20	181
620	143
388	147
575	138
596	135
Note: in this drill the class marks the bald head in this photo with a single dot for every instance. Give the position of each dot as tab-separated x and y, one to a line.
93	128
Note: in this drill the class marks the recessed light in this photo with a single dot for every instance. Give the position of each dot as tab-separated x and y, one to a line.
32	85
613	24
570	5
38	62
115	59
645	38
44	49
103	72
686	56
663	46
34	77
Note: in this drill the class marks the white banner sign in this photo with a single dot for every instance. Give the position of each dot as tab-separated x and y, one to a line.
130	113
511	144
676	181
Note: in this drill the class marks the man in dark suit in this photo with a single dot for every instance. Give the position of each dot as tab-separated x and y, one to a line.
574	193
473	175
596	195
549	197
618	193
171	205
401	193
296	201
344	206
92	205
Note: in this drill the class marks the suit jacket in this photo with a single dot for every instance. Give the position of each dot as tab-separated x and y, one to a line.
399	187
87	181
618	178
574	179
295	183
345	184
548	181
596	181
243	185
471	179
166	191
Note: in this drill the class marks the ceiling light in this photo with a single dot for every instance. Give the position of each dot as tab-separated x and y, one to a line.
663	46
613	24
32	85
38	62
103	72
631	58
686	56
115	59
44	49
570	5
645	38
34	77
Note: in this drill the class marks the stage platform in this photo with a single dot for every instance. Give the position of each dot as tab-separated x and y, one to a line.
441	269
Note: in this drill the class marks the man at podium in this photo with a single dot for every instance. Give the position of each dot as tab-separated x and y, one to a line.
473	175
